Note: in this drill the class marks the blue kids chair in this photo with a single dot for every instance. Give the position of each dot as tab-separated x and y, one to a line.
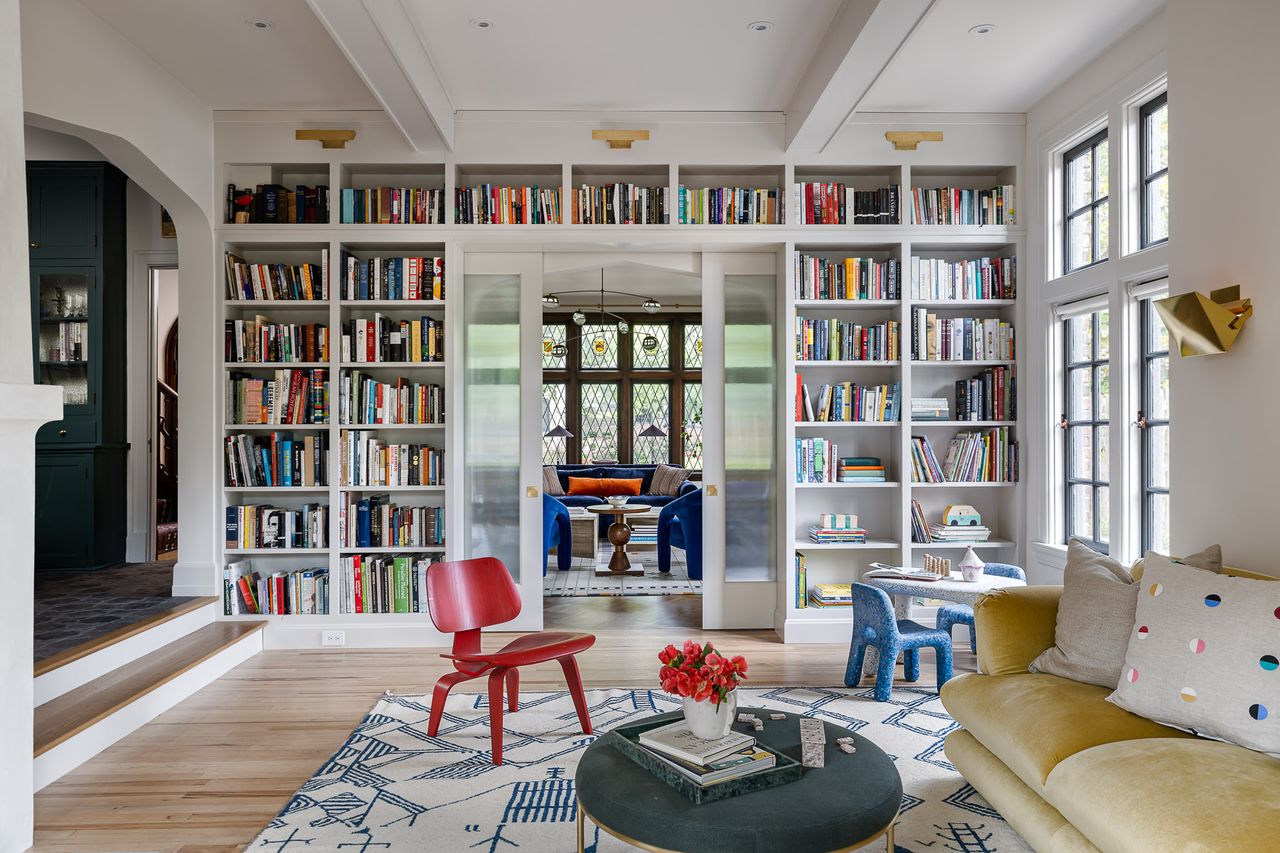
874	625
680	524
556	530
962	614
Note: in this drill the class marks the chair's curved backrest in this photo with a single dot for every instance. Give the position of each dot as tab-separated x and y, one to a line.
1004	570
873	609
468	594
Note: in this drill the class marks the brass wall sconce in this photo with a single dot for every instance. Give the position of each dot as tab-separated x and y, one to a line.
326	138
620	138
1205	325
908	140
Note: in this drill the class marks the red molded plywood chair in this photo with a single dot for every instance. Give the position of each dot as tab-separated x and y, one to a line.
466	595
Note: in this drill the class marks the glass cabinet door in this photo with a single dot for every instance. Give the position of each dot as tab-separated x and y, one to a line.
65	305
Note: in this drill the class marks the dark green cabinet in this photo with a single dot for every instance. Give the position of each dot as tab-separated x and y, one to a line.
76	224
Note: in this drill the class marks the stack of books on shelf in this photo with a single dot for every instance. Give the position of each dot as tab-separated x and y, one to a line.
491	204
979	278
851	278
930	408
260	340
960	338
919	527
831	595
367	460
272	203
848	402
837	527
989	396
399	279
860	469
64	342
363	400
960	206
980	456
292	592
380	340
953	534
727	206
620	204
827	203
264	526
837	340
292	396
383	583
248	282
393	206
705	762
277	459
376	522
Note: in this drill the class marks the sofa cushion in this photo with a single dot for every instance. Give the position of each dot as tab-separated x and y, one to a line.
1170	794
667	479
604	486
1031	722
551	484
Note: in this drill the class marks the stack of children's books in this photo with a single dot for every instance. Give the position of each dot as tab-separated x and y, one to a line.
860	469
706	762
837	527
831	595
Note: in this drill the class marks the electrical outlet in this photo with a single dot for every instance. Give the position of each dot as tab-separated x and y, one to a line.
333	638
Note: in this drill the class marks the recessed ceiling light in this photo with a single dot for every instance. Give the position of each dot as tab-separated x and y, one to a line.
258	23
983	29
480	23
760	26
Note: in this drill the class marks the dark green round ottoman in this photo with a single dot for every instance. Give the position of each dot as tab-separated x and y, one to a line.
847	804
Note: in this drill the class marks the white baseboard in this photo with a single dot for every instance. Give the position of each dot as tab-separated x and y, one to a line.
73	752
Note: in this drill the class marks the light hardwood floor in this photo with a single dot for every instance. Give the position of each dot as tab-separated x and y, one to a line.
210	773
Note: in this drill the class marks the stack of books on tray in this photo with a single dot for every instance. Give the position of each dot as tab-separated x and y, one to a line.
706	762
958	533
832	595
860	469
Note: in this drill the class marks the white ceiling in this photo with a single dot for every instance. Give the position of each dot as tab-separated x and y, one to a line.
1037	44
662	284
206	45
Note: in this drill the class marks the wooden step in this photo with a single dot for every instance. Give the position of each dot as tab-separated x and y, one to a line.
71	713
97	644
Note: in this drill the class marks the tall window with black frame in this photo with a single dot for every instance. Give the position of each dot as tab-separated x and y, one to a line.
1086	423
1086	203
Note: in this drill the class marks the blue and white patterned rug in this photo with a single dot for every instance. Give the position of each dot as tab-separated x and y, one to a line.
390	788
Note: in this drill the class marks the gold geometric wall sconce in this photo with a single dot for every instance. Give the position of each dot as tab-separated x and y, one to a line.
620	138
326	138
907	140
1205	325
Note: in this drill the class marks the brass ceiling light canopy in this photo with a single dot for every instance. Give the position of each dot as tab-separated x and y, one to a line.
1204	325
620	138
326	138
909	140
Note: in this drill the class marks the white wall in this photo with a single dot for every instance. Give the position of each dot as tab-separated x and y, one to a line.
1223	126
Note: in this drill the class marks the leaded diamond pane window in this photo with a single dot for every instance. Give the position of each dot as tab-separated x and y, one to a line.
691	429
555	451
650	407
599	419
693	346
553	335
651	346
599	347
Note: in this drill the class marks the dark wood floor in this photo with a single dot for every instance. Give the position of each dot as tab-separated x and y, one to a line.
597	613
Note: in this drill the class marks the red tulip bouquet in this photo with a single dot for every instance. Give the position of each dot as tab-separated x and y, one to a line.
700	673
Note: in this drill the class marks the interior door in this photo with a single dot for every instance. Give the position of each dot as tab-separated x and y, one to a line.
501	419
741	505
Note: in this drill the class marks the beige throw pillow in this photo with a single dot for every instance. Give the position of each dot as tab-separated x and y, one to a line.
1204	655
551	482
1210	559
667	479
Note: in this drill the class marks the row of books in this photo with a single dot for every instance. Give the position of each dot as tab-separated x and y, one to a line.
834	203
291	592
393	206
277	282
277	459
377	583
727	206
366	460
381	340
838	340
817	461
960	338
260	340
963	206
977	278
980	456
919	526
801	599
65	342
290	396
620	204
376	522
492	204
705	762
992	395
265	526
393	278
850	278
849	402
273	203
364	400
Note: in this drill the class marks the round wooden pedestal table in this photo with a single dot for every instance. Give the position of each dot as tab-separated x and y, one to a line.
619	536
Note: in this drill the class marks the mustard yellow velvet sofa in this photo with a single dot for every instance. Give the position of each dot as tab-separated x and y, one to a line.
1073	772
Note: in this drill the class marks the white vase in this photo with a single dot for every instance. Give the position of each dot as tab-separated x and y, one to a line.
709	721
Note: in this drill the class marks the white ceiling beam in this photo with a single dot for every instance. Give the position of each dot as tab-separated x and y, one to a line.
861	41
380	39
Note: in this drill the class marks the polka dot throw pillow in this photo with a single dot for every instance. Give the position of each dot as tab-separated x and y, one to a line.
1204	655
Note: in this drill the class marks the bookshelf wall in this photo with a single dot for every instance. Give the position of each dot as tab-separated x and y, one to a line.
883	508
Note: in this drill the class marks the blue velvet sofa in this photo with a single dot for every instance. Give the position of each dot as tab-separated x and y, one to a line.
628	472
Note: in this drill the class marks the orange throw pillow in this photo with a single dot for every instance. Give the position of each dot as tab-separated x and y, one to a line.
604	486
